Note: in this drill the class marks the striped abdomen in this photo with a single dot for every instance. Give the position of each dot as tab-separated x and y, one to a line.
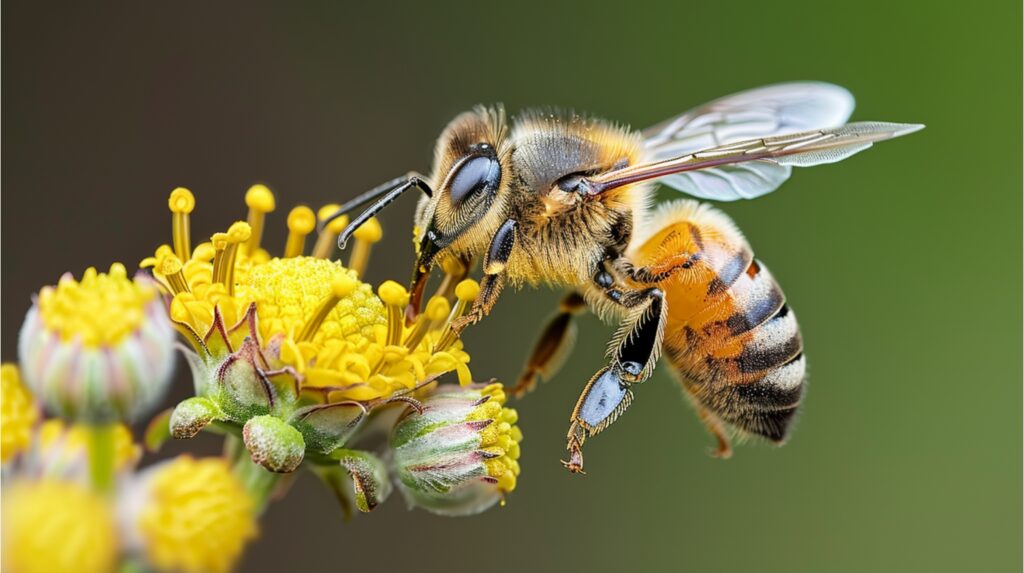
729	334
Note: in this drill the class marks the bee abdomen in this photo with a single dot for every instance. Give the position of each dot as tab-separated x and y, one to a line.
748	367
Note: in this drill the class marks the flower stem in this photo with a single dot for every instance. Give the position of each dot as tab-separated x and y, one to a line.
259	482
101	456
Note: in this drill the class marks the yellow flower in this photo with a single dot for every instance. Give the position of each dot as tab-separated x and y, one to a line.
195	516
53	526
99	349
17	413
312	316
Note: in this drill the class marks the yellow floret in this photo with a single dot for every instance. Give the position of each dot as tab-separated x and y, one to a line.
17	413
100	310
197	517
54	526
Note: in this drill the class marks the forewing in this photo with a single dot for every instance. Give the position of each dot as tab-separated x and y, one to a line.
762	112
754	167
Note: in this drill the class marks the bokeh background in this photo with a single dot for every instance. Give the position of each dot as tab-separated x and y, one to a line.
903	263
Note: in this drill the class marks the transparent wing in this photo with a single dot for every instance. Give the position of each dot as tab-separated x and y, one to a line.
762	112
753	167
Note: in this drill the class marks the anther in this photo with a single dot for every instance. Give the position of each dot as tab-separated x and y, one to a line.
301	222
170	267
436	312
226	251
395	298
260	201
181	203
366	235
466	292
328	238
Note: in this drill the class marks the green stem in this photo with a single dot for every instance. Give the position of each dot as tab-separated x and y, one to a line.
259	482
101	456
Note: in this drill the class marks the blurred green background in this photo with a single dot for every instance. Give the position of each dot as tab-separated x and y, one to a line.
903	263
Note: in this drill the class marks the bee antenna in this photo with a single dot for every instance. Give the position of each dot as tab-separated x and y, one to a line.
389	194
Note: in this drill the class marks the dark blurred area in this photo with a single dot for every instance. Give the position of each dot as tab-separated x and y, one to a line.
903	263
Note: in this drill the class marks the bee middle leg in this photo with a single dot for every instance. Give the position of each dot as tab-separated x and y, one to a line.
633	354
553	346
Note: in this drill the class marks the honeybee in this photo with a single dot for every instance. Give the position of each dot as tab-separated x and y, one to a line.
564	199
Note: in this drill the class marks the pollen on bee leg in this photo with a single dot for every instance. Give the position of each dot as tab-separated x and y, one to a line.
466	293
342	285
181	202
225	247
395	297
170	266
260	201
366	235
435	314
301	222
328	239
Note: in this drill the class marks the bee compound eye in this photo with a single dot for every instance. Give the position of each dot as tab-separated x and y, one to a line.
476	174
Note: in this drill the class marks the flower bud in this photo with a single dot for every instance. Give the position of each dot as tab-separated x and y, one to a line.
98	350
459	456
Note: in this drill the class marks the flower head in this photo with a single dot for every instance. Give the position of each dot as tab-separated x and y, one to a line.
192	516
298	338
99	349
57	526
460	455
18	414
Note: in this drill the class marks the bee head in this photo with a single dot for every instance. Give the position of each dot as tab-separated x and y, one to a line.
468	203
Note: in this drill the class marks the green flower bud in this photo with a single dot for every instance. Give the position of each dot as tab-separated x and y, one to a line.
98	350
459	456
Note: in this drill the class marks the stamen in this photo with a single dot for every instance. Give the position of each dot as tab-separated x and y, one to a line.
466	293
437	311
366	235
170	267
226	251
395	298
455	272
328	238
342	285
181	203
260	201
301	222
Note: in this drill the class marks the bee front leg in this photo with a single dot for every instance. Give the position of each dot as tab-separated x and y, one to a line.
494	276
634	352
553	346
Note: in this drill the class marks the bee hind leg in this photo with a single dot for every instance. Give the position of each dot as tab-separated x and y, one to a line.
552	347
716	427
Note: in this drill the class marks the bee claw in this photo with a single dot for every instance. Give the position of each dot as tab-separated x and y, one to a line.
720	453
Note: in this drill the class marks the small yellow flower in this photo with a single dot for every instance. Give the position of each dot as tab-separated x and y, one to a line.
17	413
55	526
195	516
99	349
